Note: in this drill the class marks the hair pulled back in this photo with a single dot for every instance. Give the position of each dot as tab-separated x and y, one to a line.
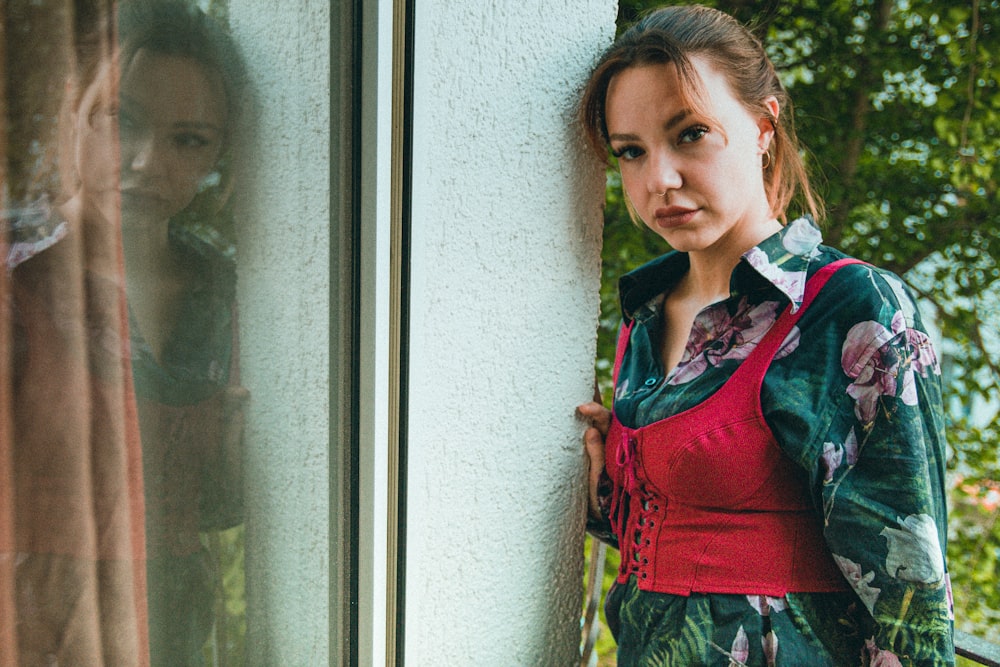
674	35
179	28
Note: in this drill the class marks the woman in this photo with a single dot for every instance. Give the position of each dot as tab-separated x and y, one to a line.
179	94
73	469
773	467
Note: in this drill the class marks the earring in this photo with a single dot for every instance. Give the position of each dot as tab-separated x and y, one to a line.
210	180
766	160
661	194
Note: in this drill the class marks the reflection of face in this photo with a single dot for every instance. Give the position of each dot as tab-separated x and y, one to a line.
708	168
171	122
96	142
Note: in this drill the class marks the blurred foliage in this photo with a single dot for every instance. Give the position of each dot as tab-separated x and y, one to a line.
898	105
226	646
211	217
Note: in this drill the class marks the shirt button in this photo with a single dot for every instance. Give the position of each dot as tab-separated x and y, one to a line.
651	382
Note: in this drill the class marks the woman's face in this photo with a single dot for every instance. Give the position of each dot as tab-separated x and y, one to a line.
172	119
695	180
95	142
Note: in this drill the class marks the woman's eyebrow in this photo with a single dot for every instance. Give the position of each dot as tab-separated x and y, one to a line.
676	119
196	125
672	122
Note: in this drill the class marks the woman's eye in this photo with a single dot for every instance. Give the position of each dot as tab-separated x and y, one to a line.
693	134
101	113
627	152
189	140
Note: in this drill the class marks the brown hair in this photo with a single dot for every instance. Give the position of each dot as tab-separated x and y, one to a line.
180	28
675	35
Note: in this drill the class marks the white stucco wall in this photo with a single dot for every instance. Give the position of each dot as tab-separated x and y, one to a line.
505	275
284	287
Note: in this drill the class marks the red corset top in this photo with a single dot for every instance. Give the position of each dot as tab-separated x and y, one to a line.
705	501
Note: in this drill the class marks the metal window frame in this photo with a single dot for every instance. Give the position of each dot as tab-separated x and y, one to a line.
373	166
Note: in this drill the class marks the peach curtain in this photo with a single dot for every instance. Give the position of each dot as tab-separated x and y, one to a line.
72	575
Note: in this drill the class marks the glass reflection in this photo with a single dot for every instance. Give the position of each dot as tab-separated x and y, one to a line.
179	93
71	554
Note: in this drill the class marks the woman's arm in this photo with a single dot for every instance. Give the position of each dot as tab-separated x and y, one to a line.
879	472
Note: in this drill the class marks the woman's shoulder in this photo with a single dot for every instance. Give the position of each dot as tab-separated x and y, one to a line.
863	292
863	308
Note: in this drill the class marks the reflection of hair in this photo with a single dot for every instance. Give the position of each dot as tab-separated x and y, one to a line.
178	28
51	60
676	34
93	30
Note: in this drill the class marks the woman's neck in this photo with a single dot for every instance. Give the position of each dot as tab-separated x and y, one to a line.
146	246
711	270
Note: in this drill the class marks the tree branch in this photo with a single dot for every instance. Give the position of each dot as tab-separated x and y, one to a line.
867	77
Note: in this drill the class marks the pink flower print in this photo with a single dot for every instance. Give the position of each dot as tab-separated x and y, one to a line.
790	344
769	643
859	581
756	258
832	457
873	364
924	356
877	657
765	604
802	237
717	336
951	599
792	283
750	324
622	389
741	649
909	393
915	551
851	448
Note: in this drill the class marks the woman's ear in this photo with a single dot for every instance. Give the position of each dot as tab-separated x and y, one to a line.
768	123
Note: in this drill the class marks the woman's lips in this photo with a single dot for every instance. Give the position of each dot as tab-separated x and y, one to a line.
674	216
140	195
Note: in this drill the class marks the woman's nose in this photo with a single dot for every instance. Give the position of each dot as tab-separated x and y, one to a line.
663	174
140	153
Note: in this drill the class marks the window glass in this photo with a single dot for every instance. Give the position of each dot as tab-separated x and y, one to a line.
176	377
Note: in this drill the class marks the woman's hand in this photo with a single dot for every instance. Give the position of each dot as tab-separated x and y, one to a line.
599	418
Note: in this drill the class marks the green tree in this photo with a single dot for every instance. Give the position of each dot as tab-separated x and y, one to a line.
898	104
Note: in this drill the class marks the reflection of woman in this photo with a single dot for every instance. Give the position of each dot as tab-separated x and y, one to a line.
179	93
773	467
73	450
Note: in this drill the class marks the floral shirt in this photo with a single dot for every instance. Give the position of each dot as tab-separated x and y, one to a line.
854	398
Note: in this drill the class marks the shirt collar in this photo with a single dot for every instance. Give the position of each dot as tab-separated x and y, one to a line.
781	259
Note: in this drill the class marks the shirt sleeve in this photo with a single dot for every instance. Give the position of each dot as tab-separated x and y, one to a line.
876	457
600	526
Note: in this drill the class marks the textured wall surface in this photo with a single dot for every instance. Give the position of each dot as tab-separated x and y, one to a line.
505	275
284	300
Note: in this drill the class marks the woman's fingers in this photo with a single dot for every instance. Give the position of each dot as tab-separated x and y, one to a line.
595	413
593	441
599	418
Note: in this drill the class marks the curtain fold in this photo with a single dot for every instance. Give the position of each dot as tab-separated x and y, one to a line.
72	571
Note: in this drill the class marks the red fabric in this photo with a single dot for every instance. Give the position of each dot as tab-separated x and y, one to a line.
72	560
705	501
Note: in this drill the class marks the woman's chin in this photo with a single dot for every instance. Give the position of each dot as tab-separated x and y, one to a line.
138	220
